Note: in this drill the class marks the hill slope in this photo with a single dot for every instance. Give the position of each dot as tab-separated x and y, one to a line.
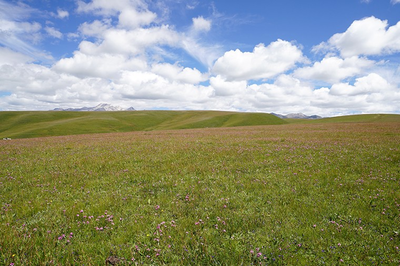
369	118
52	123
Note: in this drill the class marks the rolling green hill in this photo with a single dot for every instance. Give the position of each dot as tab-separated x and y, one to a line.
369	118
52	123
29	124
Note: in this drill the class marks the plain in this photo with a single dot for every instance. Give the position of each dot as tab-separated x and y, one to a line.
289	194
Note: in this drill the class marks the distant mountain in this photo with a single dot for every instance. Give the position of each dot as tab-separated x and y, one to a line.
100	107
297	116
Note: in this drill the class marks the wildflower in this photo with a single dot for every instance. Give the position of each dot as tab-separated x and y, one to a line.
339	244
259	254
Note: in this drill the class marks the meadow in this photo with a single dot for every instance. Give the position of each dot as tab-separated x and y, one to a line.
29	124
290	194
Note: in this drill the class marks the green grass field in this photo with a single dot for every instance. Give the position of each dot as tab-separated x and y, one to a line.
40	124
288	194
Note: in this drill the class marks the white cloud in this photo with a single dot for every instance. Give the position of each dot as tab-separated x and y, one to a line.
131	13
206	54
101	66
108	8
334	69
262	63
395	1
201	24
147	85
369	94
95	29
285	95
54	32
369	36
13	12
373	83
227	88
31	79
131	42
16	33
178	73
62	13
132	19
9	57
130	37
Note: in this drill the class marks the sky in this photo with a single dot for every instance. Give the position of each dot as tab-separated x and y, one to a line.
319	57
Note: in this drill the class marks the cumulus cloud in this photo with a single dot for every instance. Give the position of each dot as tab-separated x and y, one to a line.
108	8
62	13
131	42
95	28
131	18
131	13
373	83
368	94
9	57
262	63
30	79
54	32
201	24
178	73
227	88
334	69
148	85
369	36
102	66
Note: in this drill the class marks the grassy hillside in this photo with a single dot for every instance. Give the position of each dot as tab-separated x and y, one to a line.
370	118
51	123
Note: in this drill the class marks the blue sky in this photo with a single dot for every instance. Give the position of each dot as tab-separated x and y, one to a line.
315	57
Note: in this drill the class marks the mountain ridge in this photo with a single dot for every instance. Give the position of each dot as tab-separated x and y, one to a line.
102	107
297	116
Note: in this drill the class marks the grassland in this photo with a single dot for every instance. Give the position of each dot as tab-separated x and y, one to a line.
41	124
294	194
369	118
